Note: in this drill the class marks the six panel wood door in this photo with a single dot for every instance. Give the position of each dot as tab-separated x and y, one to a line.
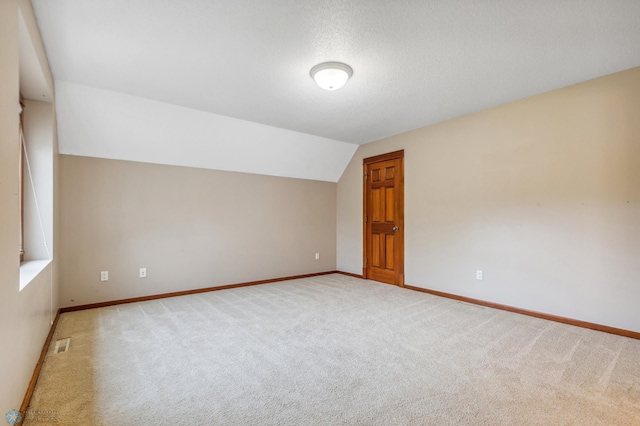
384	218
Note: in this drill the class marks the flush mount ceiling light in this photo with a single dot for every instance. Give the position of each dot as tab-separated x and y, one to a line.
331	75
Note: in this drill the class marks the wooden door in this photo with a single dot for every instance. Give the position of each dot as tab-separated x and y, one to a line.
384	218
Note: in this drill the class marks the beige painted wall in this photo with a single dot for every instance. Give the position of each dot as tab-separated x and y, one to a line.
543	195
24	315
191	228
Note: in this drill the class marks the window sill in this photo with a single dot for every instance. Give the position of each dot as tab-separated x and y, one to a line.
30	270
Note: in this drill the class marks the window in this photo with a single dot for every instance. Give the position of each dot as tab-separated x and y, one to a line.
21	178
36	160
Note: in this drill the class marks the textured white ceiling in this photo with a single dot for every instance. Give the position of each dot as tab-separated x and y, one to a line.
415	63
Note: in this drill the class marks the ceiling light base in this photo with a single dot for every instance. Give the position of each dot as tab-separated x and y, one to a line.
331	75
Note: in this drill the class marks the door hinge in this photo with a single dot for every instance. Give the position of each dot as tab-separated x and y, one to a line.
365	261
366	218
366	176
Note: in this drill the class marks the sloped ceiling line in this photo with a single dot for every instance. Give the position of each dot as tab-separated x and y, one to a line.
100	123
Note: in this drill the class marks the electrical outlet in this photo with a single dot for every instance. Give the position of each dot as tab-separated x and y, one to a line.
317	256
104	275
479	275
143	272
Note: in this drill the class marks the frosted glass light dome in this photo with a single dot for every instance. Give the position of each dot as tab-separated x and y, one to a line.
331	75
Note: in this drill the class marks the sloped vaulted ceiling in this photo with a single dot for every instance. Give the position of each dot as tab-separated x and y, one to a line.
226	85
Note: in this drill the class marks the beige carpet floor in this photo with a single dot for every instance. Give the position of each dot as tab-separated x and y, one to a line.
331	350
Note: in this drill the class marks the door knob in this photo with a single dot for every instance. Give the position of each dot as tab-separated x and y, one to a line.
395	229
